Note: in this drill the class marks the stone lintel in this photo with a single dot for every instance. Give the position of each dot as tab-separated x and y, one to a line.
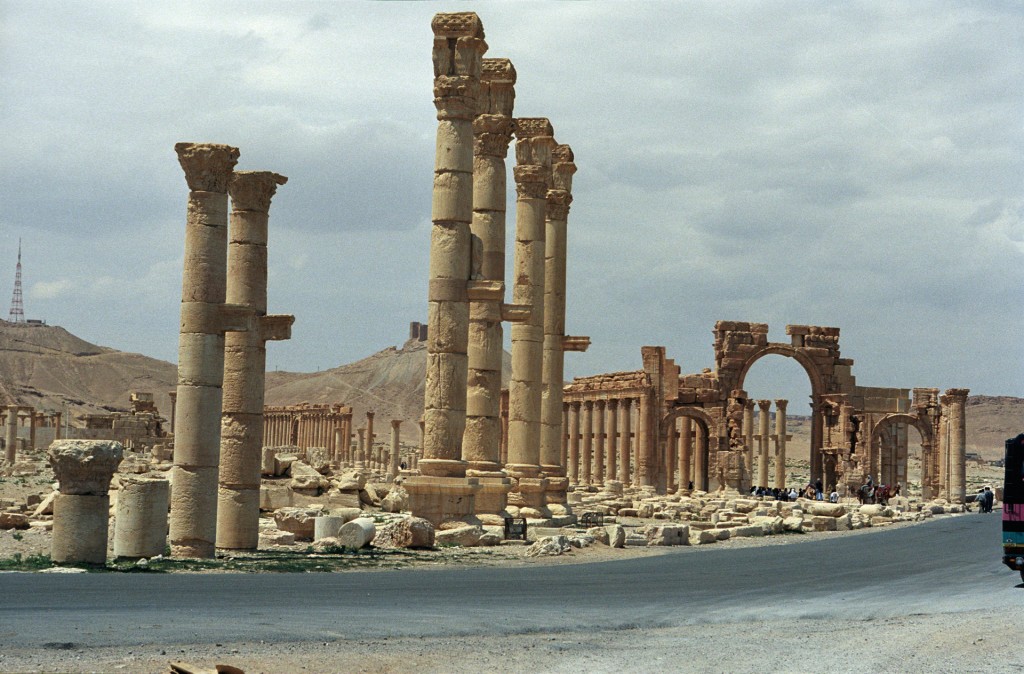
236	318
276	327
575	343
457	24
533	127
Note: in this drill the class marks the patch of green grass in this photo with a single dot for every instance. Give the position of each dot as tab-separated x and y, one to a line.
17	535
30	563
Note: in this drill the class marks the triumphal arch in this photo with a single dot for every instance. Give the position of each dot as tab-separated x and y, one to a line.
667	431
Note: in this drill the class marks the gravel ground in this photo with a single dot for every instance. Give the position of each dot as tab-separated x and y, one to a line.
969	641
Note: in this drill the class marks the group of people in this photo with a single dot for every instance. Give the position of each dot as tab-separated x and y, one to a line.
813	491
985	498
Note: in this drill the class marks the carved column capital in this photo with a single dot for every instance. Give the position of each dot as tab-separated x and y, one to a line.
780	405
207	166
458	50
558	204
765	405
84	467
492	134
253	190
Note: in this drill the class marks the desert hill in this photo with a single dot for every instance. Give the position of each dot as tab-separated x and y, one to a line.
50	368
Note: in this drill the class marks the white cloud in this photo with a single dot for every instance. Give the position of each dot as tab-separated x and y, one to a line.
48	290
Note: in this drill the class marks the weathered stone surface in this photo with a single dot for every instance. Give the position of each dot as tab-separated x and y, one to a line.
581	541
600	534
328	544
549	546
668	534
84	466
490	539
274	496
464	536
826	509
408	532
45	506
276	537
616	535
823	523
14	521
793	524
299	521
396	501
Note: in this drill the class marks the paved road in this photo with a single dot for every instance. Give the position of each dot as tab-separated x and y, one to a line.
943	565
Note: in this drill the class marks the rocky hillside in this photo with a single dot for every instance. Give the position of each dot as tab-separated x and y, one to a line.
49	368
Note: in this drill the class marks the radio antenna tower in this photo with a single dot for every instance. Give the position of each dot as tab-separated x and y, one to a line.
17	314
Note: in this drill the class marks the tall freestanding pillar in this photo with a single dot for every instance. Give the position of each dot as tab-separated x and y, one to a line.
532	176
559	197
574	442
956	399
11	439
245	361
780	443
492	130
458	49
204	320
587	457
763	419
748	434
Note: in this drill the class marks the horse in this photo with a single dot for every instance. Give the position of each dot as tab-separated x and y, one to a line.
883	493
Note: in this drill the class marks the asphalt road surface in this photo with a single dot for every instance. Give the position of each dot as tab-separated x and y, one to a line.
942	566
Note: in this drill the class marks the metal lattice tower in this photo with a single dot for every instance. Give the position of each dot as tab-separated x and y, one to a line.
17	314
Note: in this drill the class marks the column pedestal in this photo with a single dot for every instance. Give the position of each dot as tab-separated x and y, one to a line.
439	499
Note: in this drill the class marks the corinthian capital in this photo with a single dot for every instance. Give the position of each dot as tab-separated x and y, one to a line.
562	168
207	166
497	87
458	50
253	190
492	134
558	204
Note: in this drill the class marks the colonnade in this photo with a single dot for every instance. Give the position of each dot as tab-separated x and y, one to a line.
25	416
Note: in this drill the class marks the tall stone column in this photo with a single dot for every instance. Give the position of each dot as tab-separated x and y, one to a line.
565	437
532	176
204	320
492	132
245	361
559	197
599	442
645	444
748	434
956	400
671	458
587	458
173	395
625	417
685	454
396	448
33	418
370	434
613	438
11	440
83	469
574	442
361	449
780	443
763	419
346	438
700	459
458	49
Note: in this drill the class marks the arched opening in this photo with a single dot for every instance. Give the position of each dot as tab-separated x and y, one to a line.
780	373
687	436
893	458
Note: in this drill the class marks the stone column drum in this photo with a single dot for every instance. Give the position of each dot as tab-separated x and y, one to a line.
140	522
83	469
645	443
532	176
458	49
748	434
574	442
613	438
587	455
245	360
599	443
204	320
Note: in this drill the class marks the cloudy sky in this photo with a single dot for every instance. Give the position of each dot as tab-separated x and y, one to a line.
847	164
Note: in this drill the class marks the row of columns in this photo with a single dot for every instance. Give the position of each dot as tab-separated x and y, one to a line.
221	381
26	417
463	450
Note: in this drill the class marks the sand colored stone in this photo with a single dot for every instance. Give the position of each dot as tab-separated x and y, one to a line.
140	528
83	469
245	359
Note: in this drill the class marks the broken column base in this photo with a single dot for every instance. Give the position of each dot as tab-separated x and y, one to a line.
493	495
528	494
80	528
437	499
